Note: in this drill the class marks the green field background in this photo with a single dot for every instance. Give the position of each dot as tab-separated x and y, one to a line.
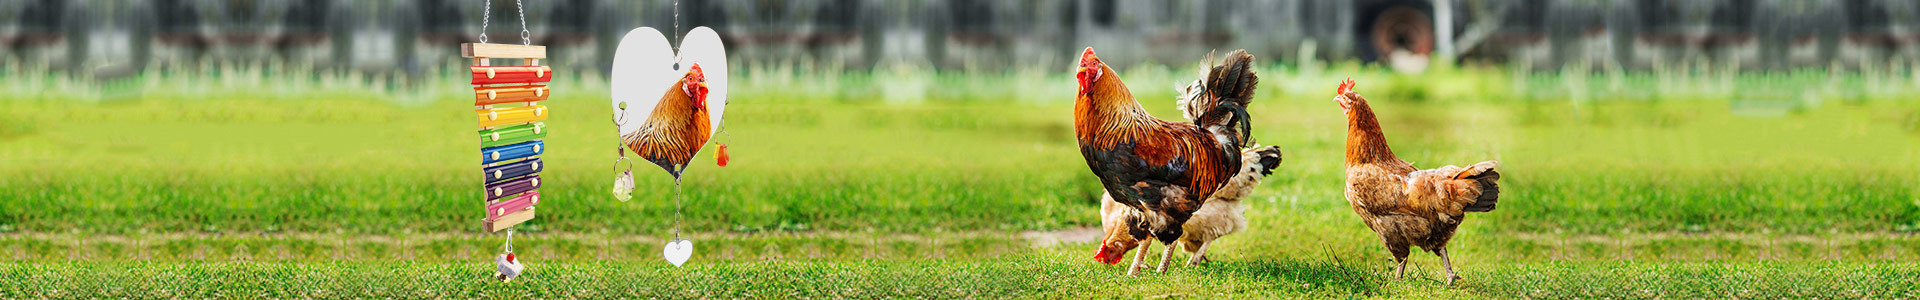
898	183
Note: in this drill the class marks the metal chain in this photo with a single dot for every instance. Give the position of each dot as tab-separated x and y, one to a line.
676	26
526	37
486	14
677	195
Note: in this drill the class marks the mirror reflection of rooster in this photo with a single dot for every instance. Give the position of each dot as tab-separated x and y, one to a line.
677	127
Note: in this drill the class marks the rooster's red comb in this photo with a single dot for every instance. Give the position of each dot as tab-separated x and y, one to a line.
694	70
1087	55
1345	87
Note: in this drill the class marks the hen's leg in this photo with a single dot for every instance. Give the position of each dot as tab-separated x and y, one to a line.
1167	258
1400	259
1444	261
1199	256
1139	259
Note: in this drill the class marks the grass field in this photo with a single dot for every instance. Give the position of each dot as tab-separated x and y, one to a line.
1676	184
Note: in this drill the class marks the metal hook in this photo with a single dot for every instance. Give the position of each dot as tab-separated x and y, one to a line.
623	157
526	38
619	117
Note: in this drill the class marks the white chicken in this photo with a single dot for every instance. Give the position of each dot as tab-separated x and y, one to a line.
509	267
1223	214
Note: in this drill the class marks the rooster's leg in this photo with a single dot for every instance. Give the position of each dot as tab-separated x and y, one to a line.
1199	256
1139	259
1167	258
1444	261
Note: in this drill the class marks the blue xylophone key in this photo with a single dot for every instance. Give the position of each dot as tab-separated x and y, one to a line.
511	152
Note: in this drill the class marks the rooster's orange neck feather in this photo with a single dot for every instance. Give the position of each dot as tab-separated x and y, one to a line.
1365	141
1107	114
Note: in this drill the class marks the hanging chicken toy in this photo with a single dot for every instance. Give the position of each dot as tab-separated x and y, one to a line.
507	107
667	107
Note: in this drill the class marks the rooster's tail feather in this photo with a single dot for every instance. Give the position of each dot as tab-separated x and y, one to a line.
1233	80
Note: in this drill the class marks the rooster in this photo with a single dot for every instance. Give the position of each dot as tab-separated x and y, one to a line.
1223	214
1405	205
507	267
1162	170
678	126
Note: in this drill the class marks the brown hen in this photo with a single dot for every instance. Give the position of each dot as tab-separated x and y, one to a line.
1407	206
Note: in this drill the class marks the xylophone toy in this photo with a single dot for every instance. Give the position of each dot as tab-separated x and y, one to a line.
510	137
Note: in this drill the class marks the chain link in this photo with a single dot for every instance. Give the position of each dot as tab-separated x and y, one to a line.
676	25
486	13
526	37
678	195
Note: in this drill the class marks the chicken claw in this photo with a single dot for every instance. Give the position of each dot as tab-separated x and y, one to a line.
1199	256
1448	262
1139	260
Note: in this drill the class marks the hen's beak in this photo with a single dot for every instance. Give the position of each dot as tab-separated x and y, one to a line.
1106	256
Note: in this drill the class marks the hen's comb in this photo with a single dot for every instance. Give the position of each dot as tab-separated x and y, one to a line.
1087	55
1345	87
694	71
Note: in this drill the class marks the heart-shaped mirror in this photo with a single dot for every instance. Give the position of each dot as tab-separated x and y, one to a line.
678	251
655	92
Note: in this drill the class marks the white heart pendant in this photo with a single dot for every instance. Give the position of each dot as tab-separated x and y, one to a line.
645	67
678	251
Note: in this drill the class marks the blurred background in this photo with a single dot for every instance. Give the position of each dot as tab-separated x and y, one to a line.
107	38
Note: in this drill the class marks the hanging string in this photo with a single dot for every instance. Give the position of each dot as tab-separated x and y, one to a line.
509	245
485	14
526	37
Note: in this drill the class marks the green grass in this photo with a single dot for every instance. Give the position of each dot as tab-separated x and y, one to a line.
1047	275
905	184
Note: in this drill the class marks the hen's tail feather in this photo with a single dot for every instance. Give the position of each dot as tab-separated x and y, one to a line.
1269	159
1483	174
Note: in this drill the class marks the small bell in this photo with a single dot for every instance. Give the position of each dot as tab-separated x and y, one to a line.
723	157
623	186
